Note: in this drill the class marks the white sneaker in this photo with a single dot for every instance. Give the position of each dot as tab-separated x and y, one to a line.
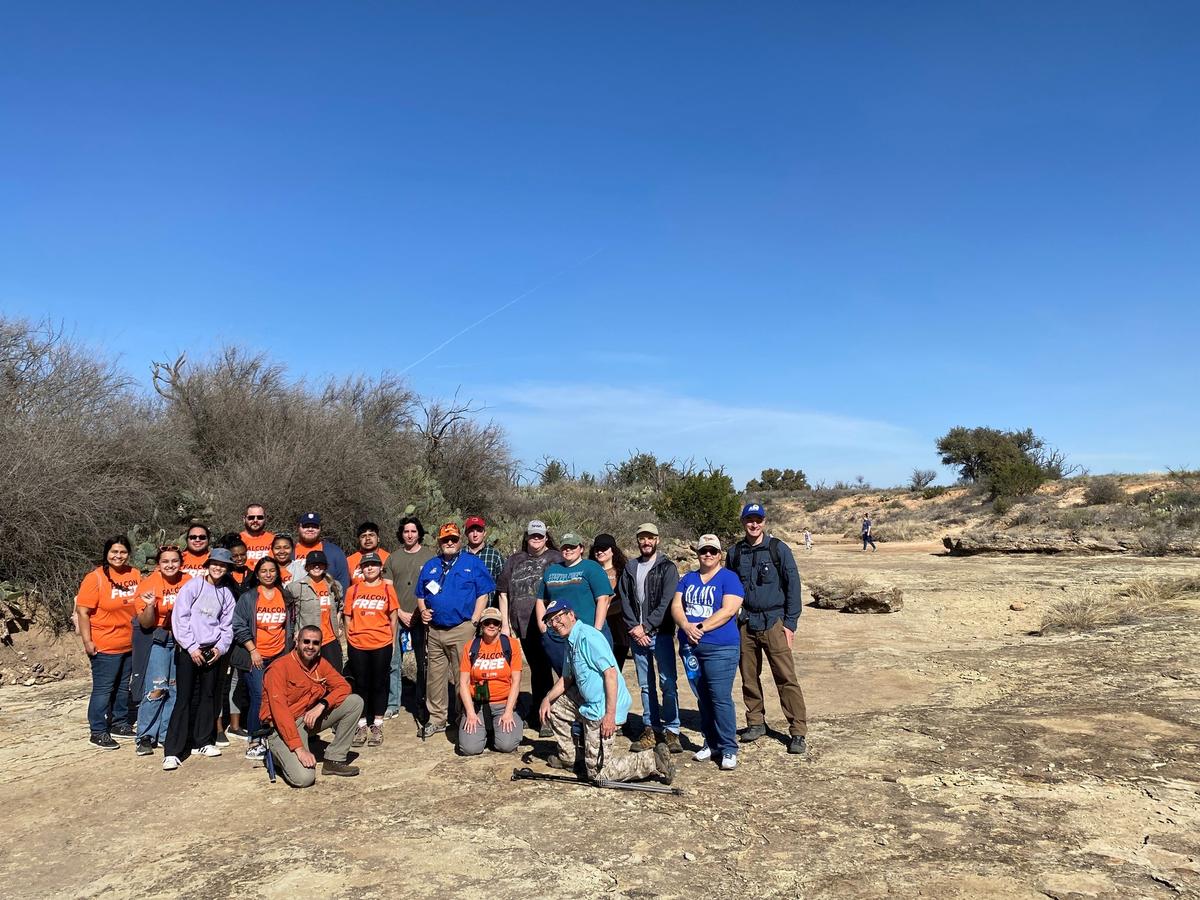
256	752
729	762
704	753
209	750
170	763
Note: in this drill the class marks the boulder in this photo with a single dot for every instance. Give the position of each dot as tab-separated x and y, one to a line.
859	600
981	540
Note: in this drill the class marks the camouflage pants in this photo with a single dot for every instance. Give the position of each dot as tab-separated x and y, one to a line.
601	761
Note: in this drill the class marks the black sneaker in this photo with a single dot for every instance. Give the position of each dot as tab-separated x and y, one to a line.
798	744
103	740
751	733
240	733
123	731
145	746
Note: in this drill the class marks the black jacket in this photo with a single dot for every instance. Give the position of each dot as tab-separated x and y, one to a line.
661	581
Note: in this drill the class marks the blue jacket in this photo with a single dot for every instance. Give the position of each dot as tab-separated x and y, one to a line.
460	586
771	594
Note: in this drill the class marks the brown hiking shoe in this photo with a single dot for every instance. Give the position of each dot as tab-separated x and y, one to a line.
672	742
360	736
338	767
375	736
645	742
664	764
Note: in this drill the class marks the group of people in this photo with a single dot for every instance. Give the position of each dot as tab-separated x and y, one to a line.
245	638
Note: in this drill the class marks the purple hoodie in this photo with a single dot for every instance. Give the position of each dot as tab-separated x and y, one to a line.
203	614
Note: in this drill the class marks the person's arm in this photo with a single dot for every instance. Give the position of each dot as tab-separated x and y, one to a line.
690	630
608	724
791	589
275	692
656	614
730	604
146	618
602	610
84	623
502	605
555	692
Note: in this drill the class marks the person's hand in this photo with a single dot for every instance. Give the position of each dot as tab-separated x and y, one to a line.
197	657
406	619
427	615
637	632
470	722
89	647
310	717
608	725
644	640
790	634
544	710
306	759
256	659
692	632
506	721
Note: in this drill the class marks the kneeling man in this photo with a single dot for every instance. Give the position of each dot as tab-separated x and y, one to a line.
302	695
592	692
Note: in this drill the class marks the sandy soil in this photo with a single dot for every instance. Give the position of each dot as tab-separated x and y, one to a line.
953	754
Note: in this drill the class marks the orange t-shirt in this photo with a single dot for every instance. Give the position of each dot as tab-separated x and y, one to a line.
300	551
238	577
353	559
272	617
115	602
491	666
164	595
193	563
257	546
368	610
322	591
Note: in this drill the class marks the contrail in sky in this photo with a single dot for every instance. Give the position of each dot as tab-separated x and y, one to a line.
496	312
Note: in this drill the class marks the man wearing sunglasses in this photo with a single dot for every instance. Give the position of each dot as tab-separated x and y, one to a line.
452	591
255	536
302	696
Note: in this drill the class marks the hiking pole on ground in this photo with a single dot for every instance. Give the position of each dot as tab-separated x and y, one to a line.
527	774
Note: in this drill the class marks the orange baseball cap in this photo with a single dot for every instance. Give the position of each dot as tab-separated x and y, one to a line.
449	530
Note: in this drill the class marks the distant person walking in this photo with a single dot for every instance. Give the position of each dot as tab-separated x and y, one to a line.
867	536
769	615
807	539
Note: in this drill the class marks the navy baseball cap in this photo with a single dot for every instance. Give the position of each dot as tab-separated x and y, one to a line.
753	509
310	518
555	607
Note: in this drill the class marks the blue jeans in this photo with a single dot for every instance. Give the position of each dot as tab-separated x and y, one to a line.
718	663
415	639
154	712
143	638
110	691
662	652
254	686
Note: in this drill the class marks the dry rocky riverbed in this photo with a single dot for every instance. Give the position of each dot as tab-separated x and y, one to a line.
953	754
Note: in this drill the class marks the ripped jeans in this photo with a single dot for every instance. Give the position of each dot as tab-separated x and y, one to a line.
158	701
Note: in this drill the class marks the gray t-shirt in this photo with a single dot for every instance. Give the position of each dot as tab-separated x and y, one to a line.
643	569
402	569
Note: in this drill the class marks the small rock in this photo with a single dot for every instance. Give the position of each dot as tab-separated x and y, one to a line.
29	682
1016	606
690	857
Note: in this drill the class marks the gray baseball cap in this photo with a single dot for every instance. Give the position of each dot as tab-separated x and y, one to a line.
537	526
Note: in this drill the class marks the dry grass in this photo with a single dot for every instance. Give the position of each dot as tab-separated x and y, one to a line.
1085	610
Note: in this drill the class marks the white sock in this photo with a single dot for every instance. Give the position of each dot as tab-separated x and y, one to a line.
362	723
379	721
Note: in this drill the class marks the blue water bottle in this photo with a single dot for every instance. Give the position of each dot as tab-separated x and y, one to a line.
691	665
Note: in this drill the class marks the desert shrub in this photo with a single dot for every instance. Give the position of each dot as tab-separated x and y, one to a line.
642	469
1001	505
1103	490
1011	463
552	471
701	502
777	480
931	492
921	479
895	504
1084	610
1013	475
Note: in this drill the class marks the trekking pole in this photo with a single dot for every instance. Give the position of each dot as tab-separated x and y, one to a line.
527	774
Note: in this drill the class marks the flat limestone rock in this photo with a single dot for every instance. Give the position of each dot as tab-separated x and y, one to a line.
862	600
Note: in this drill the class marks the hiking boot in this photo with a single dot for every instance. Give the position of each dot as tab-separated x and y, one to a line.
103	740
798	744
428	730
360	736
673	743
123	731
338	767
664	764
752	733
545	731
646	742
256	752
375	738
557	762
145	746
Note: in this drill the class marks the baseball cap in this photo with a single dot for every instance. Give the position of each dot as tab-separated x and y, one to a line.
708	540
449	530
310	518
369	559
570	539
604	541
474	521
555	607
316	558
647	528
536	526
491	614
753	509
220	555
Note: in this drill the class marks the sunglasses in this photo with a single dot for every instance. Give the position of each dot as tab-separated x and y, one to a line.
310	643
449	540
569	547
256	518
708	551
197	537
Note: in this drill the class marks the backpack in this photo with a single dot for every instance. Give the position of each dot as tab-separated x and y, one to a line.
505	647
735	556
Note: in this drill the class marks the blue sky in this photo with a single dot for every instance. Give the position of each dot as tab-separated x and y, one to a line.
790	235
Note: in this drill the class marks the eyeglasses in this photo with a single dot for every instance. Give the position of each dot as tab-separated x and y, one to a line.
256	518
708	551
310	643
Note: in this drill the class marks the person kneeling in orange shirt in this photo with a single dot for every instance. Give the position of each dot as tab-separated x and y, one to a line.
302	695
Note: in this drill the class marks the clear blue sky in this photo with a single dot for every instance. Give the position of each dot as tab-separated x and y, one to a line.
793	234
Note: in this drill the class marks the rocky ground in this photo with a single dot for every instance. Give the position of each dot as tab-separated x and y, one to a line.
954	754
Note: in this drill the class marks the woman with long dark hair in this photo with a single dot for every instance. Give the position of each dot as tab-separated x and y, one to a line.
608	554
262	632
105	606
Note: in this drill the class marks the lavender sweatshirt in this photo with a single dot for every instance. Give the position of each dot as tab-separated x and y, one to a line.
203	614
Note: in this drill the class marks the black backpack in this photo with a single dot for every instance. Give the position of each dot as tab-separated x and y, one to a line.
735	557
505	647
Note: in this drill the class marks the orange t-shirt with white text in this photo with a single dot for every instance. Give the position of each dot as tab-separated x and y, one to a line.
321	588
354	558
300	551
271	616
164	595
257	546
193	563
491	666
368	613
114	599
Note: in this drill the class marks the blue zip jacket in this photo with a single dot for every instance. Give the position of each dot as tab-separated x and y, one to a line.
460	586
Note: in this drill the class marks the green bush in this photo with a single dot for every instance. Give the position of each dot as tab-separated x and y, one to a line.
701	502
777	480
930	492
1103	490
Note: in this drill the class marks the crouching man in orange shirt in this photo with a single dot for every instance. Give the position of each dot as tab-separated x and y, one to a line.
302	695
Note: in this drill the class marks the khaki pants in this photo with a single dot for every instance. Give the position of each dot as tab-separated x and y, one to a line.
343	719
602	762
446	647
773	642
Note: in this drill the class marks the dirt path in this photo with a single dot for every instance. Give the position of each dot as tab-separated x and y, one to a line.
953	755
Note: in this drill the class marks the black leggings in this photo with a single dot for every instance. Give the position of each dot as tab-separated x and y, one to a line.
194	720
370	672
332	654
